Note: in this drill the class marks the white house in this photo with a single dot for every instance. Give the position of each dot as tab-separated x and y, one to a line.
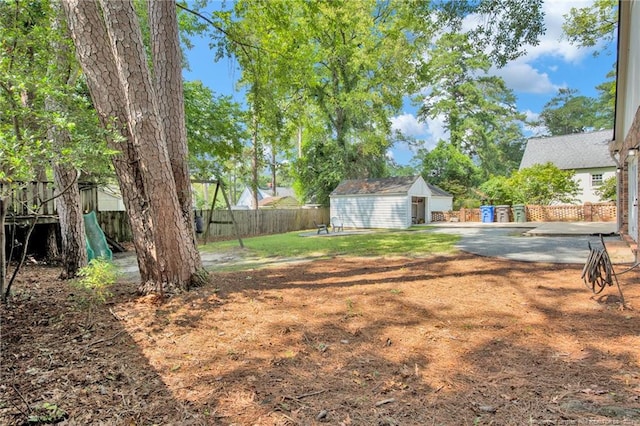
396	202
245	201
110	199
585	153
626	139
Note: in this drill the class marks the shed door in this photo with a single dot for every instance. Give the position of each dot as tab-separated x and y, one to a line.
418	210
633	198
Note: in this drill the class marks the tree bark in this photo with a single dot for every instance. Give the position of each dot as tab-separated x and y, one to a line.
68	205
53	248
3	248
167	68
109	47
74	249
94	55
255	163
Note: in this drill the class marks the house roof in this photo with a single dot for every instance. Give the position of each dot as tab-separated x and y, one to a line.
438	192
277	201
392	185
570	152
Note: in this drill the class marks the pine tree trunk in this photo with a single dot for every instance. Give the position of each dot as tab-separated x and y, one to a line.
94	55
53	249
74	250
68	204
3	248
167	69
121	88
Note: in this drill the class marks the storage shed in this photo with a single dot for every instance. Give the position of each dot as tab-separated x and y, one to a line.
396	202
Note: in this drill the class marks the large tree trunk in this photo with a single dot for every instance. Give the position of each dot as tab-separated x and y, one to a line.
94	55
74	249
68	204
3	248
109	47
167	69
255	163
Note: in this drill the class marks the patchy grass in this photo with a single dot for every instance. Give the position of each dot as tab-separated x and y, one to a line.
381	243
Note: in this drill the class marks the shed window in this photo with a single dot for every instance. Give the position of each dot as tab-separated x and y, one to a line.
596	179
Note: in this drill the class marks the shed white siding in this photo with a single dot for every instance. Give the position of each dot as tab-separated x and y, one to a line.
392	203
440	204
419	189
372	211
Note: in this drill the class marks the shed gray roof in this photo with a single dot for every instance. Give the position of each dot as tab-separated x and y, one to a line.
437	191
392	185
570	152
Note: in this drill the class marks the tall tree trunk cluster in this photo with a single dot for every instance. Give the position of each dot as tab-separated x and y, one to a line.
145	116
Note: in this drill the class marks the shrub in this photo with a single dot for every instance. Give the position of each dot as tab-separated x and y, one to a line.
97	278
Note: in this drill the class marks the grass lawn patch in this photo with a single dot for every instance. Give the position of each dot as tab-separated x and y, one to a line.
382	243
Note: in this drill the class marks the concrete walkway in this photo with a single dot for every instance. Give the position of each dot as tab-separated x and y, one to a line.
553	242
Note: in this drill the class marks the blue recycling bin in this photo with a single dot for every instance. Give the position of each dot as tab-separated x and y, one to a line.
486	214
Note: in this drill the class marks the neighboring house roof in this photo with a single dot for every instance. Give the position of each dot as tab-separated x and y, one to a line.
570	152
246	197
281	191
285	201
392	185
111	190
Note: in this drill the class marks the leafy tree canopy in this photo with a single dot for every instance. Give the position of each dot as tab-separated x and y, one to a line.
506	27
591	25
568	113
479	110
215	130
26	84
448	168
541	184
608	191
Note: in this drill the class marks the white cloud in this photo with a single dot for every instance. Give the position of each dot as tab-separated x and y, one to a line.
525	74
533	131
427	132
553	42
531	116
522	77
409	125
437	131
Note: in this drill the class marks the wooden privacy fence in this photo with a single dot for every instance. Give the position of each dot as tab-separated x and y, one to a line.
250	222
263	222
23	197
588	212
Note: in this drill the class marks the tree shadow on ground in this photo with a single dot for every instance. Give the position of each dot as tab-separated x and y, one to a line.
448	339
61	359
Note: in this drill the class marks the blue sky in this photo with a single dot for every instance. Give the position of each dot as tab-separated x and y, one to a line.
534	78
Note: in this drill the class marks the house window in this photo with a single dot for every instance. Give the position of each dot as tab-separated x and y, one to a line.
596	179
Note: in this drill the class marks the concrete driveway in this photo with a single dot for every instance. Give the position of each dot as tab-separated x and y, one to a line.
554	242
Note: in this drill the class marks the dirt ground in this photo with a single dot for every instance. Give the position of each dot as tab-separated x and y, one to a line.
443	340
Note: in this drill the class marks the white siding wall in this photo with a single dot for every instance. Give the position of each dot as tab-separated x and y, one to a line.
419	189
588	191
108	202
373	211
632	89
441	204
